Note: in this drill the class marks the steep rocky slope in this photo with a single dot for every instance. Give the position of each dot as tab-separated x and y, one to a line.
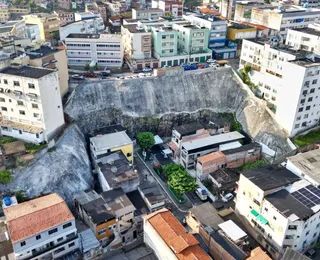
159	103
65	171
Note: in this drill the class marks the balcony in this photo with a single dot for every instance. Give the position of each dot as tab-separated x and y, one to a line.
51	246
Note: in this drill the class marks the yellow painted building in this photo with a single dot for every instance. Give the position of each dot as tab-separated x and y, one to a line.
48	24
103	144
105	230
237	31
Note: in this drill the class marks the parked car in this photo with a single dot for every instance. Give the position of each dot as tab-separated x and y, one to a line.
89	75
166	66
104	74
213	65
189	67
211	61
311	253
120	77
227	197
147	69
202	194
77	77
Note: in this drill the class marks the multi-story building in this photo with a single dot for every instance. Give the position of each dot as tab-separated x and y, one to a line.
280	19
84	16
47	57
169	239
169	7
102	9
311	3
64	4
14	28
48	24
281	209
240	31
4	13
31	107
307	39
106	50
217	28
114	8
64	17
146	13
87	26
33	32
42	228
110	215
293	99
165	41
17	11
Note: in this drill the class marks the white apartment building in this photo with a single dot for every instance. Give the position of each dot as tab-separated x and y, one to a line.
293	99
14	28
106	50
307	39
33	32
282	210
84	16
42	228
30	101
114	8
281	19
146	13
89	26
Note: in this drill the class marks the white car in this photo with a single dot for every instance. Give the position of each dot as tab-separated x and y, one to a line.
212	65
211	61
227	197
146	69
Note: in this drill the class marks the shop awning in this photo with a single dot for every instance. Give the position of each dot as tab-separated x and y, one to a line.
262	220
254	213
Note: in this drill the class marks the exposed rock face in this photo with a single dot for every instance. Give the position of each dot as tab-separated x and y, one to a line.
157	104
65	171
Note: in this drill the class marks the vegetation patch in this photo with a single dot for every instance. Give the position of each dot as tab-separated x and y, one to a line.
145	140
6	140
21	197
235	125
5	176
245	76
52	149
254	165
309	138
33	148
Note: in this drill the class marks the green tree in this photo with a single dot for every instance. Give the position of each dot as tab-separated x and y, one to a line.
96	66
87	67
171	168
169	15
180	182
21	197
145	140
5	176
247	69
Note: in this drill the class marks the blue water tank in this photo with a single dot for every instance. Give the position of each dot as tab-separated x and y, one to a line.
7	201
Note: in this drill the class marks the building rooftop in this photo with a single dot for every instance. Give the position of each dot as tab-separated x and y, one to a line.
246	147
108	130
283	201
99	211
133	28
116	169
259	254
232	231
152	193
226	177
109	141
35	216
213	140
210	157
308	163
258	26
41	52
183	245
88	240
6	249
307	62
83	36
188	129
291	254
14	147
270	177
308	30
240	26
207	215
6	29
26	71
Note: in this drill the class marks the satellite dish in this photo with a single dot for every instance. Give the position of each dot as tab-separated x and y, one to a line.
114	169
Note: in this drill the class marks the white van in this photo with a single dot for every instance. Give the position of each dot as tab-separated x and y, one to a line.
202	194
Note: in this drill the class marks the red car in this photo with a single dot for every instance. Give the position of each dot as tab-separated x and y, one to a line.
89	75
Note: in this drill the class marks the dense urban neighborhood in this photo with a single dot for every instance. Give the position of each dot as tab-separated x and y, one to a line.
159	129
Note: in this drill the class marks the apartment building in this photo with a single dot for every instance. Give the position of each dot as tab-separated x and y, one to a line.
31	107
165	41
64	17
282	209
106	50
17	11
152	196
307	39
64	4
42	228
87	26
169	7
280	19
48	24
102	145
178	245
309	4
4	13
33	32
13	28
217	28
293	99
191	150
146	13
239	31
110	216
79	16
102	9
46	57
114	8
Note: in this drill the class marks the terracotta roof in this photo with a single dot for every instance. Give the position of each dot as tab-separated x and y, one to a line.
208	11
33	217
258	254
210	157
184	245
258	26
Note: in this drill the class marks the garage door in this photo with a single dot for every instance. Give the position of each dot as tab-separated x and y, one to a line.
202	59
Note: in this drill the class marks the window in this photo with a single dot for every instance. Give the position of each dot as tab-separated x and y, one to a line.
21	112
312	90
4	109
71	244
31	85
110	228
308	107
274	217
20	103
102	231
35	106
307	83
129	154
266	209
16	83
23	243
5	81
302	101
314	234
300	109
309	99
307	232
257	202
289	237
296	126
306	116
36	115
38	237
2	100
314	81
52	231
298	118
67	225
318	225
59	239
305	92
292	227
